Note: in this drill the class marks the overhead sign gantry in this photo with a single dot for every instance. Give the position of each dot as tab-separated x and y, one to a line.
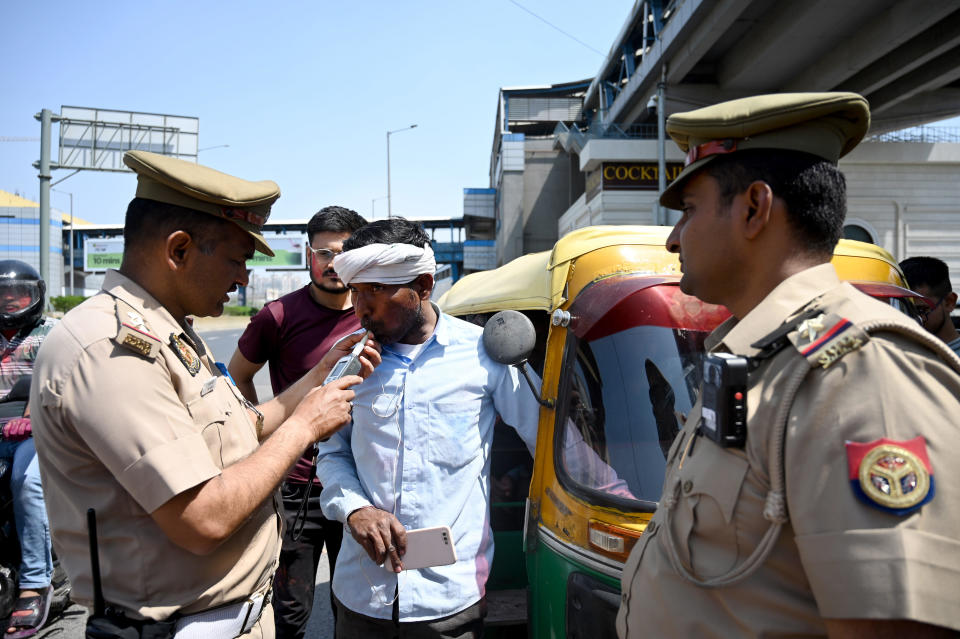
93	139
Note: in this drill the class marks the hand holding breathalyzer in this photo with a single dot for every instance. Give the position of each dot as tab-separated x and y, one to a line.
349	364
361	346
326	409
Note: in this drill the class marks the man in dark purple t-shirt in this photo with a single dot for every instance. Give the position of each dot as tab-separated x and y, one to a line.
292	334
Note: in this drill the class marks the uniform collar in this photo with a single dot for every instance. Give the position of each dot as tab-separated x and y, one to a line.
158	319
783	302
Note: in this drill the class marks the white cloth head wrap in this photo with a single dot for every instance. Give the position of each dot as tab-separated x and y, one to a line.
385	263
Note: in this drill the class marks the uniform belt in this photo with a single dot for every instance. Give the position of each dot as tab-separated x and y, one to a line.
224	622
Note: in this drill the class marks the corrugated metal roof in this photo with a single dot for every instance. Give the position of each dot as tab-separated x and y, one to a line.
11	200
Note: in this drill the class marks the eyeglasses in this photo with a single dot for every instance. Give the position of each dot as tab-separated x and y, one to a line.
324	254
931	306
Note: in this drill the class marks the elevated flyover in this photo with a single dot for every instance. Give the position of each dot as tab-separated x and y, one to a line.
902	55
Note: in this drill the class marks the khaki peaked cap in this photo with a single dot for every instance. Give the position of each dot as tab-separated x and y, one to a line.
193	186
828	125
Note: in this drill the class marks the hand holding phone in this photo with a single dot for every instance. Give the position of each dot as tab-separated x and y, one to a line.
427	547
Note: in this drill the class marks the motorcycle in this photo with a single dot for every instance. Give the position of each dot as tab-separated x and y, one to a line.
14	404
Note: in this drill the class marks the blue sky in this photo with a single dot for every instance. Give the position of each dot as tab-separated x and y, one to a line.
303	92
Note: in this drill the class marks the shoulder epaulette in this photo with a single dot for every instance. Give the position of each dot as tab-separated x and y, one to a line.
133	332
825	338
771	344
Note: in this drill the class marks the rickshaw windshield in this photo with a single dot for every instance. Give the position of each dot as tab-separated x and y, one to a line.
632	373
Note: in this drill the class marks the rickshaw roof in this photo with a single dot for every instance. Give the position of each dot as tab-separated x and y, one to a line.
522	284
534	281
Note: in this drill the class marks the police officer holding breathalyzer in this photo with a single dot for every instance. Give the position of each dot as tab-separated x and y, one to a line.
134	420
812	490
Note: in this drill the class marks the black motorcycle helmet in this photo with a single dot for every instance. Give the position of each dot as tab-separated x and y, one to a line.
22	295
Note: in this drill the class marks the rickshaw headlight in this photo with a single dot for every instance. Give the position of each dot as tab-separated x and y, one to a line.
615	541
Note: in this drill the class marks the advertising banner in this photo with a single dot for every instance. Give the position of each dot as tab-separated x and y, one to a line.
290	249
102	253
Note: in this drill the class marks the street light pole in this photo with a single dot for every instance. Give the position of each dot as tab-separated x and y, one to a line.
72	267
373	206
389	133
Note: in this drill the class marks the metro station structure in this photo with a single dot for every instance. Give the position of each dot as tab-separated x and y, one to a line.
589	152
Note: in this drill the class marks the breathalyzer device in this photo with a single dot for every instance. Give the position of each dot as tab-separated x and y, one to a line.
724	408
349	364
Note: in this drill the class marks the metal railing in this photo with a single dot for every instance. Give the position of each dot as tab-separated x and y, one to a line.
574	138
921	134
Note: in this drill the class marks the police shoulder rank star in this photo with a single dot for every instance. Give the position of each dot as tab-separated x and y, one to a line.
184	354
826	338
133	333
894	476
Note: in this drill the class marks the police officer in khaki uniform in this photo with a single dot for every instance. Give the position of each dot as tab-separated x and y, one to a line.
134	419
813	488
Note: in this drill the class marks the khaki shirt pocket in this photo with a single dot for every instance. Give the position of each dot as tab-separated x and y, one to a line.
211	413
703	521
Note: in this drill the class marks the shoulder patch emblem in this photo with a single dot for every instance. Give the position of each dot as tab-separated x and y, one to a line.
894	476
824	339
184	354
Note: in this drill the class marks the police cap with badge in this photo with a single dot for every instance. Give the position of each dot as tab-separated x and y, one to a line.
165	179
827	125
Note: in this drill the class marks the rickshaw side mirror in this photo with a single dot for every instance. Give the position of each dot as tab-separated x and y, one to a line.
509	337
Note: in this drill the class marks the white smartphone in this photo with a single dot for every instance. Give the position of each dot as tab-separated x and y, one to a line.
427	547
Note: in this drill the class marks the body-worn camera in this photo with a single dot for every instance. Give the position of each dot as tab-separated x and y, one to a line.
724	413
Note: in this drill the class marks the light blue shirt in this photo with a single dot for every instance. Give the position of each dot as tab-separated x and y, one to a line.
429	464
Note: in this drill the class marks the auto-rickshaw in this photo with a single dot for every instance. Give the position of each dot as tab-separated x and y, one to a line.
618	348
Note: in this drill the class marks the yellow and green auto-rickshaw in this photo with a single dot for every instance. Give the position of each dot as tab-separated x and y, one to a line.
618	348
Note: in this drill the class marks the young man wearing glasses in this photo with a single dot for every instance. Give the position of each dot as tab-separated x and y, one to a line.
930	277
292	333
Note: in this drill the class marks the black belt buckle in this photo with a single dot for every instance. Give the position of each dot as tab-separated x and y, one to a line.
114	624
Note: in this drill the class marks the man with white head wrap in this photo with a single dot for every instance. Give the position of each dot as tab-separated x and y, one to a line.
417	453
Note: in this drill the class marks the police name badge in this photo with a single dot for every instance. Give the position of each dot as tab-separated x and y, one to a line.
208	386
894	476
184	354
